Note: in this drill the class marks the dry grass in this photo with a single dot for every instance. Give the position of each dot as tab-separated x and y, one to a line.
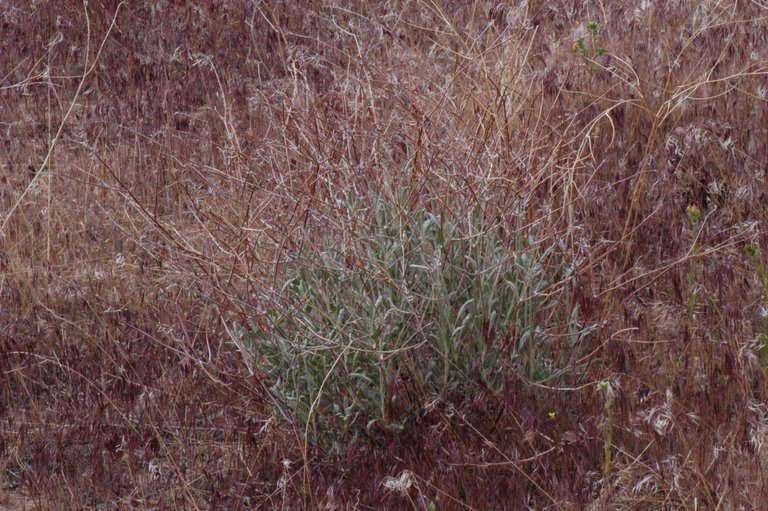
160	176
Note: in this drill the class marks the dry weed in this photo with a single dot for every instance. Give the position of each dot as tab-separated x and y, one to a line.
154	191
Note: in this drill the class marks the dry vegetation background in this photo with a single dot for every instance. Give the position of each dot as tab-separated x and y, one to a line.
164	164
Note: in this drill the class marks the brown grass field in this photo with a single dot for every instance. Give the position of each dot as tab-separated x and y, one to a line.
384	254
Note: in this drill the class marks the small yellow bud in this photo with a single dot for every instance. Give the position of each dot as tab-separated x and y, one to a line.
693	214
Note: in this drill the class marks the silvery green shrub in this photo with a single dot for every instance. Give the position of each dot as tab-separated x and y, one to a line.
415	306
